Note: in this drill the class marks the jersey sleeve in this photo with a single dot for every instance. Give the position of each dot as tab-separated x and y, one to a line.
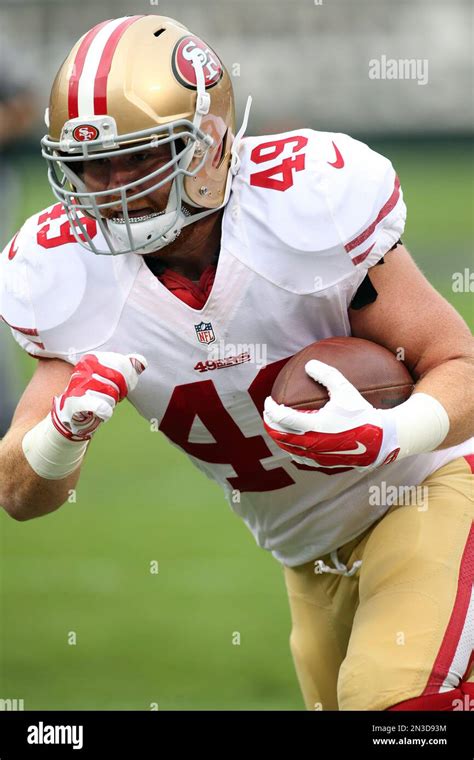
59	299
311	209
16	308
366	203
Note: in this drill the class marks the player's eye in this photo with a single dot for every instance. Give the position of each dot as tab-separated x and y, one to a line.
139	158
95	165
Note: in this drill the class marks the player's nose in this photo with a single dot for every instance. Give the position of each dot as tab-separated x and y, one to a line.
121	173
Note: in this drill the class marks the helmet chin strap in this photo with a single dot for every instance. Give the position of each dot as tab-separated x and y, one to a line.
233	168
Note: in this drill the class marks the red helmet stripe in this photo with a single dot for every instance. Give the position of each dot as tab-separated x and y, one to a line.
103	69
78	65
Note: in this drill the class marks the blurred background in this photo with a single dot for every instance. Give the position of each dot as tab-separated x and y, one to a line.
86	622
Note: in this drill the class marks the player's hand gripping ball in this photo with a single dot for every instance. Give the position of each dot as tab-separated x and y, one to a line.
345	431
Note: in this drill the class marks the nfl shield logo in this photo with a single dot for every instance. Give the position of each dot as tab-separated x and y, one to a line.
205	333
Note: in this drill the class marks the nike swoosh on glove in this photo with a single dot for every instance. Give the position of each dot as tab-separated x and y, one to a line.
99	382
348	433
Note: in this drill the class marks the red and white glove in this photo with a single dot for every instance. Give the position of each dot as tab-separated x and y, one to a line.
348	433
99	381
55	447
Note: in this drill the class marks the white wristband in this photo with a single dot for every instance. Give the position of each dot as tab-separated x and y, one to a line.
422	423
50	454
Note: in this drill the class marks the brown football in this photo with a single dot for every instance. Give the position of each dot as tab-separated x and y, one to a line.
376	373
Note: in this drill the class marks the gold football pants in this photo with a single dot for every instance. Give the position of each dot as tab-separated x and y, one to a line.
403	626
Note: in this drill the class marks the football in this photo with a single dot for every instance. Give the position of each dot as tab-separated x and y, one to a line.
378	375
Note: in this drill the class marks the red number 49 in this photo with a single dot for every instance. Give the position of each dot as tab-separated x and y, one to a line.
268	152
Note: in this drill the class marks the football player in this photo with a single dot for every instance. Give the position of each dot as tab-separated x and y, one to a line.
175	241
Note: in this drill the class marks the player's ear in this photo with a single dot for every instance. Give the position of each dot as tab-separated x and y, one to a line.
219	152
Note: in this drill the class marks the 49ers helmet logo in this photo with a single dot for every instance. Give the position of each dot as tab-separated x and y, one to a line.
182	62
85	133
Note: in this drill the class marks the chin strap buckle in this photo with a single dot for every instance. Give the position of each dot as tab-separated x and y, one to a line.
203	103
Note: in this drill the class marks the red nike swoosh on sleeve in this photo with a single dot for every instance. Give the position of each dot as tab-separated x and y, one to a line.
339	162
13	251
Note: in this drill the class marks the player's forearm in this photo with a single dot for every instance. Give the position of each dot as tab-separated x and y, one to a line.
39	466
451	383
23	493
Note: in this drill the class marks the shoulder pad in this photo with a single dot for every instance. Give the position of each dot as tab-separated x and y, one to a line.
306	204
57	297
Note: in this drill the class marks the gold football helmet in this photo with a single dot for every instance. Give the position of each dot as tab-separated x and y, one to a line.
131	85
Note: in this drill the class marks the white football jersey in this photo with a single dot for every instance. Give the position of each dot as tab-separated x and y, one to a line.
309	213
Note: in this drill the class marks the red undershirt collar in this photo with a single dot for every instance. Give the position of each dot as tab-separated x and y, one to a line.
194	294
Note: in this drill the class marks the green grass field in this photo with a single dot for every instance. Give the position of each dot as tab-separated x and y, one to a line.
167	638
